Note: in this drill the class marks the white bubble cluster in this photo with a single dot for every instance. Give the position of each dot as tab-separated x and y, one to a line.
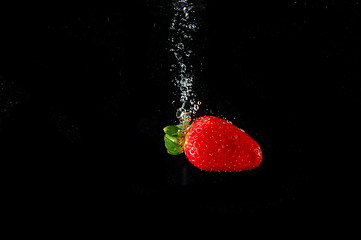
183	26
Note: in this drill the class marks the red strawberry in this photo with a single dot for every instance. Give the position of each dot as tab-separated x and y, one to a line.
214	144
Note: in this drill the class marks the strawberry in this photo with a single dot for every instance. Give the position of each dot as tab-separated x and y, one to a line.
213	144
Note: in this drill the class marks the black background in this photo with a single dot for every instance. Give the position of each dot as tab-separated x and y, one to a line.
85	93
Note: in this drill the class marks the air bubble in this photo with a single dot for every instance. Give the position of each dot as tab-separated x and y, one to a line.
183	81
177	56
180	46
183	67
183	26
192	26
192	151
180	112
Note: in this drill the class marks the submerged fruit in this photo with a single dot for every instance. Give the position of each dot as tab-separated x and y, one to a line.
214	144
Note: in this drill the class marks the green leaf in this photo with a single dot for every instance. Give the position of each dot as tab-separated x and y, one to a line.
172	130
174	138
172	145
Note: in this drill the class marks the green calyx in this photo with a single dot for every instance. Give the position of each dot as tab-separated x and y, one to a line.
174	138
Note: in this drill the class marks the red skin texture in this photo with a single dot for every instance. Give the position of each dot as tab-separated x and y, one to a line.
214	144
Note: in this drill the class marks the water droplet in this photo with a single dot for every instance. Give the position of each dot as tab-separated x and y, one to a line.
184	23
188	53
187	36
172	26
192	26
177	56
180	46
183	67
182	83
192	151
179	112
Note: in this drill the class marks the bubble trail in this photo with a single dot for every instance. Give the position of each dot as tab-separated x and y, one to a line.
183	28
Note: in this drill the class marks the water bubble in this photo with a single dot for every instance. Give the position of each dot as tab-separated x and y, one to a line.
184	97
183	81
183	67
184	25
177	56
172	25
180	112
188	53
183	115
192	26
180	46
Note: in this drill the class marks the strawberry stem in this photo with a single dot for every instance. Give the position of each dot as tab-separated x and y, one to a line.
174	137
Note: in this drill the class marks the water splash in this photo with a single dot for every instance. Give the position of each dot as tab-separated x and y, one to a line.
183	28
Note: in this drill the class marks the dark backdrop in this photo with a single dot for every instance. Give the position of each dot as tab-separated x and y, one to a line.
85	92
